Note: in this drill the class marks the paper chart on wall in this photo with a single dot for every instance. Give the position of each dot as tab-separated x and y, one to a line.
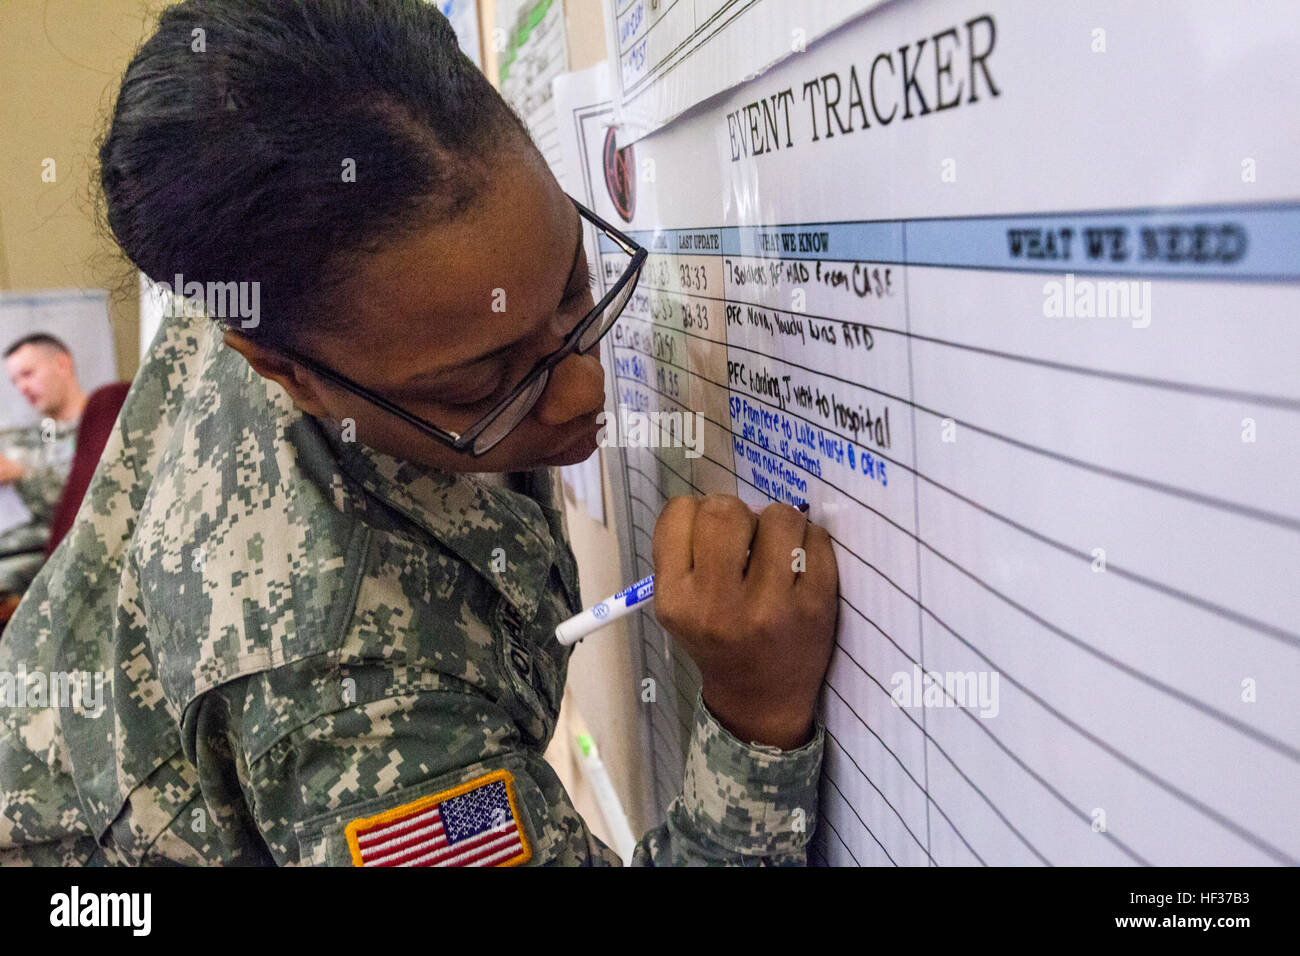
1012	303
536	53
672	54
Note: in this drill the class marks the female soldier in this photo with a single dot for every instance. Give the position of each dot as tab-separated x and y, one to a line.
324	634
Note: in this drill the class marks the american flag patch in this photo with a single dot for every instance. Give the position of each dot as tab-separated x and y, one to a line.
474	824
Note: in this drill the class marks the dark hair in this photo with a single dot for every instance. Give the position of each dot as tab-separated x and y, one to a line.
224	161
37	338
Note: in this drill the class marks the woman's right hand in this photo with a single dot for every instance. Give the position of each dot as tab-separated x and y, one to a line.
753	599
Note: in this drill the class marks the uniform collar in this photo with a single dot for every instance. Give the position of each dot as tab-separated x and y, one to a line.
470	517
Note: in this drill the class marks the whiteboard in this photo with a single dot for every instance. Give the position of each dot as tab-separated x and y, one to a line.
1032	358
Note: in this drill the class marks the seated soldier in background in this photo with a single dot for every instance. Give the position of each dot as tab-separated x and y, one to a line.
35	460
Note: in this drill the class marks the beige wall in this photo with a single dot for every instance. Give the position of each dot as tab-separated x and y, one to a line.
60	63
585	33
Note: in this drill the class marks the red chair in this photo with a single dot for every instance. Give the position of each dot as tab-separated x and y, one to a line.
97	420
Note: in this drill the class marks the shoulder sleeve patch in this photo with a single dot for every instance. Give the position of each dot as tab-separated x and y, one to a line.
474	824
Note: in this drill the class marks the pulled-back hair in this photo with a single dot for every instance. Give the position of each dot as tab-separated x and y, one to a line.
227	155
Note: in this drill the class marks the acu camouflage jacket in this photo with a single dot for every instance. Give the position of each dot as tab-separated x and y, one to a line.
45	452
296	634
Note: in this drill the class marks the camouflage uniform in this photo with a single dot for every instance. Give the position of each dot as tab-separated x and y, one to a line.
46	461
297	632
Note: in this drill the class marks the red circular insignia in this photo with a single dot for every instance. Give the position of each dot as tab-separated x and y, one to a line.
620	181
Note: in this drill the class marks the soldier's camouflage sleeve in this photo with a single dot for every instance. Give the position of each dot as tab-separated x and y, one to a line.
41	486
312	653
343	760
46	460
42	823
741	803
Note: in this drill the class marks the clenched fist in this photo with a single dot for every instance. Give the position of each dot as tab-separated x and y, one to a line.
761	632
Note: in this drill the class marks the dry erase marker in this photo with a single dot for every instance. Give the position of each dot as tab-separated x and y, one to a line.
634	597
631	598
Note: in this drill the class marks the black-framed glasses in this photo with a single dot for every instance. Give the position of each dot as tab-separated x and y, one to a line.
497	423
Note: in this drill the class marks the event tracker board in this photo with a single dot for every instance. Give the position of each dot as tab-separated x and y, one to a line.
1043	392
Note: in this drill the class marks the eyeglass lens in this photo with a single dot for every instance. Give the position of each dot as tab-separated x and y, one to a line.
511	415
517	410
610	315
